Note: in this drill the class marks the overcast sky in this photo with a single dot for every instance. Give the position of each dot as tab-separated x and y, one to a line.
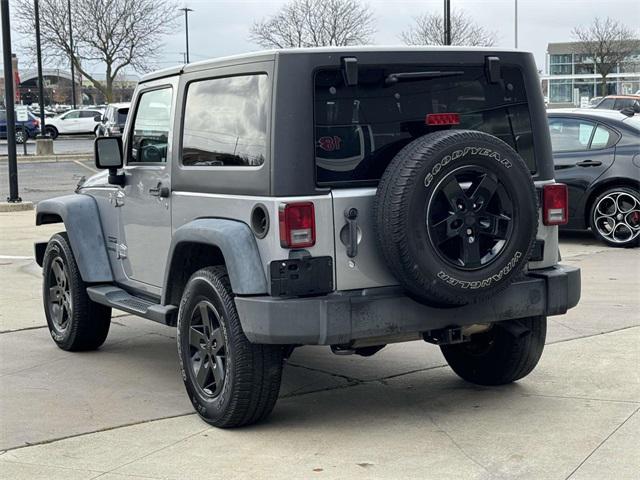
220	27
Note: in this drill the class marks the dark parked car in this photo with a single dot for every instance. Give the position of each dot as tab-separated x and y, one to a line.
113	120
24	130
619	102
597	154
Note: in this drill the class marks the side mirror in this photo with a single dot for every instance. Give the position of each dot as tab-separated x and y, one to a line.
98	118
108	155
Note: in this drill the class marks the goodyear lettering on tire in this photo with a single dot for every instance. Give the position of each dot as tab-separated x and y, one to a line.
457	154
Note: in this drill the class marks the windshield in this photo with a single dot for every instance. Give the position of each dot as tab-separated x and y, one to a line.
359	129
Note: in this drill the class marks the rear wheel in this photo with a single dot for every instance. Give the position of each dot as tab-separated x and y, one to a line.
615	217
505	353
230	381
75	321
21	135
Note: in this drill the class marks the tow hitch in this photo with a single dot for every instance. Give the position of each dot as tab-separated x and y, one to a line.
453	335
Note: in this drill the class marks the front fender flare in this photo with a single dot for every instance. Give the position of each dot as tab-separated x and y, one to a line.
81	219
238	246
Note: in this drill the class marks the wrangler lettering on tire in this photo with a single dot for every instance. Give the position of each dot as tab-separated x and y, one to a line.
456	216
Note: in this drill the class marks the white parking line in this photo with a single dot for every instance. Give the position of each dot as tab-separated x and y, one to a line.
85	166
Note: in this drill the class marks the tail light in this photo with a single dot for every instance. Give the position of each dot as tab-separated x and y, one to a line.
555	204
442	119
297	225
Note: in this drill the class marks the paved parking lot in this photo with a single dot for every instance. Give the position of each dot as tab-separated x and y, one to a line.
40	180
62	144
121	412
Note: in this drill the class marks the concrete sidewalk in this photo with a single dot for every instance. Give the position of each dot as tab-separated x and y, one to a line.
121	412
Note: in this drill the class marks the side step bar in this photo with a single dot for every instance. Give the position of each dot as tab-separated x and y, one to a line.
118	298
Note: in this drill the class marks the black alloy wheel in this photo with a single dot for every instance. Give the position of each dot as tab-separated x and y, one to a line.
75	322
230	381
207	349
60	300
469	217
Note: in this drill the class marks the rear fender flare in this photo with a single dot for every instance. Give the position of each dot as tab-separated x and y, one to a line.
237	244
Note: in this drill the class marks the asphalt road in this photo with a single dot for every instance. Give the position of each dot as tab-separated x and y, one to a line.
40	180
122	413
61	145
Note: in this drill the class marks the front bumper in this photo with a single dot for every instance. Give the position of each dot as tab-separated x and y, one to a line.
340	317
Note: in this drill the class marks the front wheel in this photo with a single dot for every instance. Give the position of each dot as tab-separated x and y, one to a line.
507	352
52	132
230	381
75	321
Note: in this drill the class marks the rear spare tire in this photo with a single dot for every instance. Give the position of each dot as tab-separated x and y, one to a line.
456	216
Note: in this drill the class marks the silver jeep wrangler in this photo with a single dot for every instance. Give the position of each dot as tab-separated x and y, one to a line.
350	197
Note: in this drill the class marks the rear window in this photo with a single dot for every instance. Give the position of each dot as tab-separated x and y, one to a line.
359	129
122	115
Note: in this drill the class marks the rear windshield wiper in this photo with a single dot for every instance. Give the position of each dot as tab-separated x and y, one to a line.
410	76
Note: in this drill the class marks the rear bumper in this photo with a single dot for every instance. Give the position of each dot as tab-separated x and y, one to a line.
340	317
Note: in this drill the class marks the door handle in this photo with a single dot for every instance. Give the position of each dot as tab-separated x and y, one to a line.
159	191
351	214
589	163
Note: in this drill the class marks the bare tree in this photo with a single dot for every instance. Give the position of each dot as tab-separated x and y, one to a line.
315	23
113	33
428	29
606	43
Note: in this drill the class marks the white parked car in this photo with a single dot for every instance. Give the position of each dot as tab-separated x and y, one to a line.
73	121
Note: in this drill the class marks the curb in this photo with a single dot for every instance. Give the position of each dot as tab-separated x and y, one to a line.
15	207
70	157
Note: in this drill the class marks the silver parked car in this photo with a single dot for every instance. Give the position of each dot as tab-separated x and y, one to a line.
347	197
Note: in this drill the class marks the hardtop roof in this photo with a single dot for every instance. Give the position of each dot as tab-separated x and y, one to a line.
267	55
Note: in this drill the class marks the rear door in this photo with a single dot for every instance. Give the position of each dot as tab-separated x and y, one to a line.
87	122
582	150
359	129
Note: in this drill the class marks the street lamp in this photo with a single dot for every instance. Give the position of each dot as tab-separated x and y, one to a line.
36	12
447	22
73	73
9	104
186	11
516	23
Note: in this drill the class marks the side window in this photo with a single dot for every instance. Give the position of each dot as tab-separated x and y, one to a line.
88	113
225	122
603	138
569	134
71	115
3	116
150	134
606	103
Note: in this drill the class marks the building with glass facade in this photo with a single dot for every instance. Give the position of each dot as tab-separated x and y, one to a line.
571	76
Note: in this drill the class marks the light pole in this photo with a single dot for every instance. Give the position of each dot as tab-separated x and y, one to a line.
516	23
186	11
36	12
9	105
447	22
73	73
